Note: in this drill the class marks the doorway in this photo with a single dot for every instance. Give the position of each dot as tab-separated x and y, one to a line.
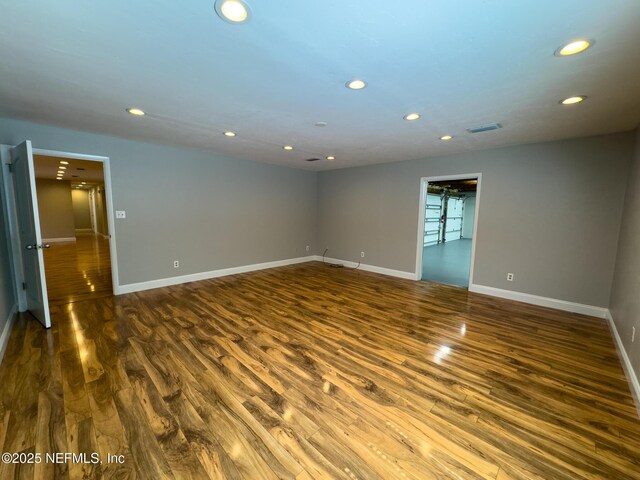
70	251
73	223
447	228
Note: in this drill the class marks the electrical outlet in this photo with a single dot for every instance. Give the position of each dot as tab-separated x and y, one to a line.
121	214
633	334
510	277
361	254
176	264
307	248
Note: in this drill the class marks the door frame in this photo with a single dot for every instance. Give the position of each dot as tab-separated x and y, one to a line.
12	218
424	181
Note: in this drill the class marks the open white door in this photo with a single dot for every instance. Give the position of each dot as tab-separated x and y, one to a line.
31	245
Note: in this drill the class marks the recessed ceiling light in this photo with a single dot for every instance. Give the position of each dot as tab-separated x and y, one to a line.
83	183
135	111
331	157
60	173
287	147
573	48
233	11
573	100
63	162
412	116
229	134
356	84
62	167
58	178
446	137
321	124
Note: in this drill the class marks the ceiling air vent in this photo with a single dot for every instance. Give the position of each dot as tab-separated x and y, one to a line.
484	128
312	159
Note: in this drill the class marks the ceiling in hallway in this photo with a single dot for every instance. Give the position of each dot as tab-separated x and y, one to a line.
459	64
75	171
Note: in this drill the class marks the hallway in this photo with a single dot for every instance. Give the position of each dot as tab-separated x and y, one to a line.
78	271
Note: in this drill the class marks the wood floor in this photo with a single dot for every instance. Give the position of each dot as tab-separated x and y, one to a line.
80	270
309	372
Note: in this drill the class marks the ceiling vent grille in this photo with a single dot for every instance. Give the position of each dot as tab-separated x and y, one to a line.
312	159
484	128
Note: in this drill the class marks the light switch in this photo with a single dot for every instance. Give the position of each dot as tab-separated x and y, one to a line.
121	214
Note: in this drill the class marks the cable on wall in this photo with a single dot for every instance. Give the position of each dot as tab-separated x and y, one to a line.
337	265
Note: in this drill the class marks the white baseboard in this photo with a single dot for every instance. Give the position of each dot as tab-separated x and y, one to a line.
590	310
634	382
194	277
6	331
371	268
102	235
84	229
59	240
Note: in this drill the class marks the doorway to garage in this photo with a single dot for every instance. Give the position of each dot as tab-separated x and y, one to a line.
448	209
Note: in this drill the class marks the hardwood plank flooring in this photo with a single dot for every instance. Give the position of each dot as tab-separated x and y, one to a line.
79	270
306	372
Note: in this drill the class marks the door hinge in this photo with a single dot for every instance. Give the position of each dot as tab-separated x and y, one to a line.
24	285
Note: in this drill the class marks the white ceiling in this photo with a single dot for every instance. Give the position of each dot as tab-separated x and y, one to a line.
460	63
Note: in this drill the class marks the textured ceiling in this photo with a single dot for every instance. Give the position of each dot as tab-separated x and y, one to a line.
459	63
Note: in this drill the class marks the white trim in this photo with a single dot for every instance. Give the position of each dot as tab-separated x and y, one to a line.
632	377
421	214
370	268
590	310
100	234
76	156
113	251
59	240
85	230
6	332
422	205
194	277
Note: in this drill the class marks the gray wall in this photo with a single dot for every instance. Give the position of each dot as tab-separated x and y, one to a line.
625	295
549	212
55	208
81	209
7	291
208	211
212	212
